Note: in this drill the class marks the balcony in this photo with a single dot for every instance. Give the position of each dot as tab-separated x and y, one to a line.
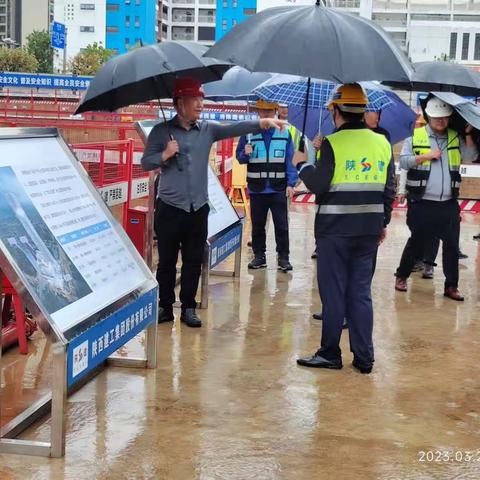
206	19
183	36
183	2
208	2
183	18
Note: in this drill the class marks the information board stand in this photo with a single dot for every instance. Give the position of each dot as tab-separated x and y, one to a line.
224	225
76	271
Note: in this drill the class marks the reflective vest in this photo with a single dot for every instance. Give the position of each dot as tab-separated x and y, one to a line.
354	204
296	136
417	177
268	165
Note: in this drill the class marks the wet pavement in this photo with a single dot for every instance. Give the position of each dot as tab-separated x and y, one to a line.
228	401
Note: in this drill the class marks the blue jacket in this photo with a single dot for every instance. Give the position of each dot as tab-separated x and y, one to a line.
291	171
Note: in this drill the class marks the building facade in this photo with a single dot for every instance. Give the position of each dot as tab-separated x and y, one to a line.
34	15
132	22
232	12
85	23
193	20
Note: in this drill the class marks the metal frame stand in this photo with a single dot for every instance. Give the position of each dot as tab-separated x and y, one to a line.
56	402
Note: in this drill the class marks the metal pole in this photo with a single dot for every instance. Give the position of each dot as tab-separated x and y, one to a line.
151	344
59	400
238	257
205	277
65	53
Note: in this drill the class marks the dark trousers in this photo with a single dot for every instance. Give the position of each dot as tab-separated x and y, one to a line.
344	274
429	220
179	230
260	204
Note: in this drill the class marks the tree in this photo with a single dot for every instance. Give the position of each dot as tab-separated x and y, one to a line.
39	45
17	60
90	59
443	57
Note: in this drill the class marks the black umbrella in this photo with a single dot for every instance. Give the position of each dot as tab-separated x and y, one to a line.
149	73
314	42
441	77
236	84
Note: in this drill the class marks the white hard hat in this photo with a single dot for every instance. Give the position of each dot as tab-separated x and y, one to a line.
437	108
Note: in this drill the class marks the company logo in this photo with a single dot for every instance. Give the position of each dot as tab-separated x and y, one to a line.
366	167
80	358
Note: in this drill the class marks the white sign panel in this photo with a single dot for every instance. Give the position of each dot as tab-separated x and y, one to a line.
58	236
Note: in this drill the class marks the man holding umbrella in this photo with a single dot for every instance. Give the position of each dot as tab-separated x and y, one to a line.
181	148
354	180
271	177
432	158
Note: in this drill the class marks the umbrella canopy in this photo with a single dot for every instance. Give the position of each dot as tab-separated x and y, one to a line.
442	77
466	109
396	117
237	84
292	91
313	41
149	73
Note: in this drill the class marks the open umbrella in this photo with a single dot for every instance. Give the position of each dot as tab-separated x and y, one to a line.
149	73
237	84
396	117
292	90
440	76
313	41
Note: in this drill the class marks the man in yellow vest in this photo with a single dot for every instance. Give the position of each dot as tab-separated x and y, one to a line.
354	180
432	158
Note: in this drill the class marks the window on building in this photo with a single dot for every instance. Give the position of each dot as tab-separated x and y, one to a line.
137	21
113	7
137	2
127	41
164	28
225	3
453	45
109	29
127	2
87	6
127	20
224	25
476	52
206	33
234	4
465	42
249	11
91	29
234	22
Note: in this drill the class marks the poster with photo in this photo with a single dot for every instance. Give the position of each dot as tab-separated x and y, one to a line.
57	234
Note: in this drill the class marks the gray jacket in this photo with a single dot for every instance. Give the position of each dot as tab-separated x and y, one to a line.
439	182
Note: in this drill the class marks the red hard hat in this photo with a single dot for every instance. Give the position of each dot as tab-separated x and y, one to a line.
188	87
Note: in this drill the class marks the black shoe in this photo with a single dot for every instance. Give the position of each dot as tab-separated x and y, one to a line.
361	367
284	264
165	314
314	255
462	256
249	243
258	262
476	237
318	316
317	361
189	317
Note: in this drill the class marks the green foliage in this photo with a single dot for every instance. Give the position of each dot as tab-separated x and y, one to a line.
17	60
90	59
39	45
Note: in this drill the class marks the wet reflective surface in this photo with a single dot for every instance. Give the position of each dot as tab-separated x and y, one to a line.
228	401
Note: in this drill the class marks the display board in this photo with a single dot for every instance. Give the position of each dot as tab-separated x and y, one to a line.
58	235
222	214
